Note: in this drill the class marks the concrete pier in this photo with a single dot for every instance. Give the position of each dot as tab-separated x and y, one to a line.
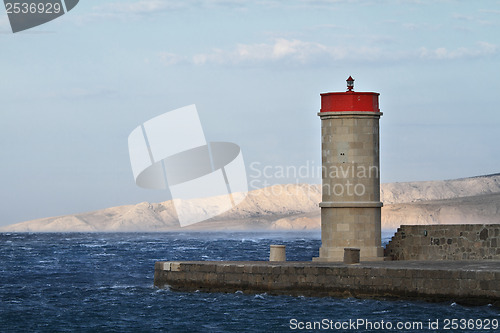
464	282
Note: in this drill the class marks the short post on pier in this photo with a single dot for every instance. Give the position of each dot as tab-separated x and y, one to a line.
277	253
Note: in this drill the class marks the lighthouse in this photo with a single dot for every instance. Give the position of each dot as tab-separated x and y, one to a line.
350	207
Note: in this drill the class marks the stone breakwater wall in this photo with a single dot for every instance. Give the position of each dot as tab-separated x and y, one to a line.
465	282
445	242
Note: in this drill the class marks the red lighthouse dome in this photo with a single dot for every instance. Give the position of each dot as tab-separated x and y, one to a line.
350	100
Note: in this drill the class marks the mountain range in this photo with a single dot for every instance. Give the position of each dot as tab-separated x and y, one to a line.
295	207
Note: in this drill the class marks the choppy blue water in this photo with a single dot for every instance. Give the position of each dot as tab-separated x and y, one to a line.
85	282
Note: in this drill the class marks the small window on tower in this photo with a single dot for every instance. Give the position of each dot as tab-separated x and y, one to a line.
342	149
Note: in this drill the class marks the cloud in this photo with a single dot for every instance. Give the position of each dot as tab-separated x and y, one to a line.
295	52
291	51
419	26
143	7
140	7
85	93
169	59
330	3
470	18
462	17
226	3
442	53
130	10
490	11
323	2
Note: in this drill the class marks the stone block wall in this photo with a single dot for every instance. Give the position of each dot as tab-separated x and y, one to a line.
445	242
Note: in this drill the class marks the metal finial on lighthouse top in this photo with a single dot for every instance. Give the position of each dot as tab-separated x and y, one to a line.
350	83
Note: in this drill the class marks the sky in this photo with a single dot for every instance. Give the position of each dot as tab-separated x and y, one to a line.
73	89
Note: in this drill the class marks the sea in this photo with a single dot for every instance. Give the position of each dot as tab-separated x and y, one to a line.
103	282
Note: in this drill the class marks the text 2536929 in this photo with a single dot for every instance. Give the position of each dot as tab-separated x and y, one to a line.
33	8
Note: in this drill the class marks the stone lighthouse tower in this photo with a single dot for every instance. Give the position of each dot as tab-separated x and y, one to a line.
350	207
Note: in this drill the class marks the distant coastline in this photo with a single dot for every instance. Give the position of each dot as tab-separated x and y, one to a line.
295	207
